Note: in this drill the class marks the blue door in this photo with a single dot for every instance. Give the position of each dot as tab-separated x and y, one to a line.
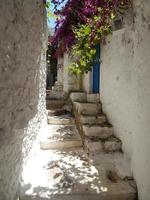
96	71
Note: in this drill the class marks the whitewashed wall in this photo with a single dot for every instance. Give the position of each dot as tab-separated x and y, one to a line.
22	86
87	82
125	90
60	77
70	81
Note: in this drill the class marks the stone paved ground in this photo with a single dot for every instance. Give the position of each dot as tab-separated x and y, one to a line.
51	173
59	169
67	175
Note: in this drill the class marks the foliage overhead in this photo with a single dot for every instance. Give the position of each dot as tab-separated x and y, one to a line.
81	24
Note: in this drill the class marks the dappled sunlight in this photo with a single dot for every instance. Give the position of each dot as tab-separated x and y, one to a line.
59	132
52	172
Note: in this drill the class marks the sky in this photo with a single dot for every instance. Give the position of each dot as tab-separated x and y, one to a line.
51	23
51	20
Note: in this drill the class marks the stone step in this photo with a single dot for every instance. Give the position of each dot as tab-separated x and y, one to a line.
101	132
60	137
93	98
87	108
57	83
99	119
58	112
48	92
116	191
66	119
55	104
112	144
78	97
116	162
68	175
56	95
93	146
57	88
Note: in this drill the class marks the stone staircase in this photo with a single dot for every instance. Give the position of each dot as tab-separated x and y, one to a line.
99	141
93	125
59	167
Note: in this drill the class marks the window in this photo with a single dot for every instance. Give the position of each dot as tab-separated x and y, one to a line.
117	24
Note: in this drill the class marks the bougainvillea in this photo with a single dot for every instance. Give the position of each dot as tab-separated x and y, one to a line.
81	24
67	19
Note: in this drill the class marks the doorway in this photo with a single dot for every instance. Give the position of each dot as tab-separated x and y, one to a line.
96	71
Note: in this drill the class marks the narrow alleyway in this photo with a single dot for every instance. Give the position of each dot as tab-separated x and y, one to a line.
88	139
60	168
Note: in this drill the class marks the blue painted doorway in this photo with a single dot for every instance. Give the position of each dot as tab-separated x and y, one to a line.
96	71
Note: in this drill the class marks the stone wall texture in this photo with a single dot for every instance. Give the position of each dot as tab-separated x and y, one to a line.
22	86
125	89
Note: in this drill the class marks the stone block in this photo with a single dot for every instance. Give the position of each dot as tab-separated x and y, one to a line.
93	98
61	120
60	137
93	146
54	104
56	95
113	144
57	112
57	88
85	119
47	144
87	108
116	161
78	96
98	131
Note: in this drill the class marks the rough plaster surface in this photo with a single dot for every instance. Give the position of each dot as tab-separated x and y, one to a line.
22	87
116	81
71	82
125	93
87	82
60	70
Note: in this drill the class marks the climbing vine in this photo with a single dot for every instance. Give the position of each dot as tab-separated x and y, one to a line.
81	24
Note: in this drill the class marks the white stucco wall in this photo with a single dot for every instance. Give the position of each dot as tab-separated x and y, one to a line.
70	81
125	90
87	82
60	76
22	86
